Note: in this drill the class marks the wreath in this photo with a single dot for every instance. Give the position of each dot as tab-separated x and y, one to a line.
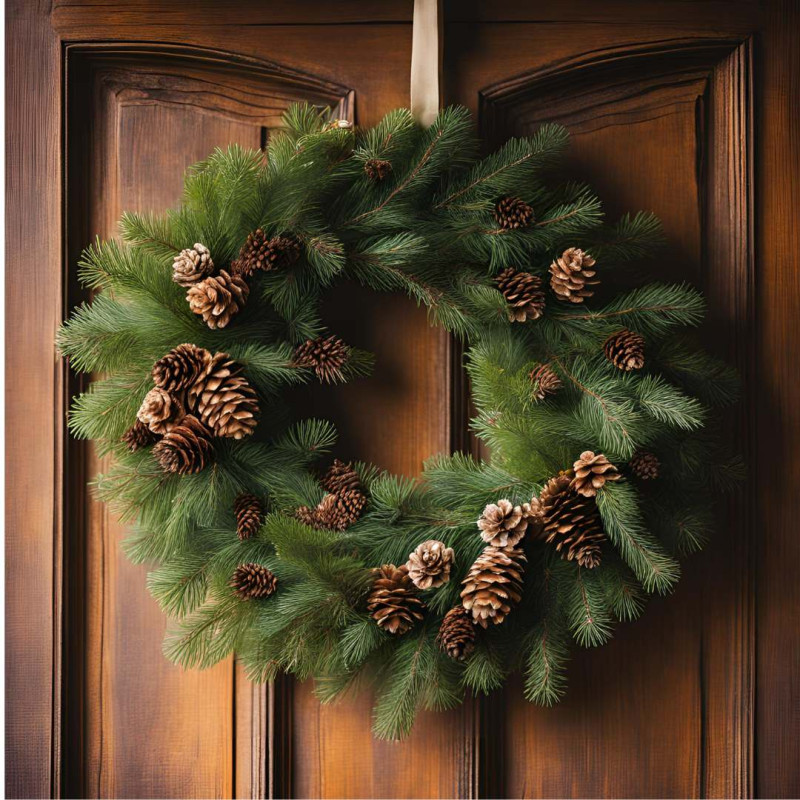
596	403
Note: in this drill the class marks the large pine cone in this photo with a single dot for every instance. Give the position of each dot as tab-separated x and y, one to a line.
223	399
161	411
523	293
186	449
339	511
138	436
393	601
259	252
378	169
493	585
218	298
341	477
545	381
326	355
249	515
253	581
625	350
430	564
591	473
571	522
457	633
179	368
512	212
571	275
503	524
190	266
645	466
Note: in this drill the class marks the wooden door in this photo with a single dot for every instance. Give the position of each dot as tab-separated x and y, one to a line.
689	109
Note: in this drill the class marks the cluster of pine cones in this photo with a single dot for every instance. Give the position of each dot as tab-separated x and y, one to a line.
197	395
343	503
217	296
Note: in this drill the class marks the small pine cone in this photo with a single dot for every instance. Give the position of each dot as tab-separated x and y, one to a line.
511	213
393	601
503	524
338	125
161	411
223	399
523	293
378	169
625	350
457	633
341	477
545	381
571	275
138	436
645	466
249	515
178	368
493	585
591	473
218	298
339	511
253	581
326	355
259	252
571	522
192	265
186	449
430	564
308	516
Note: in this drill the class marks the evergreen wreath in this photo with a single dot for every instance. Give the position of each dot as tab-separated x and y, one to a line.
594	401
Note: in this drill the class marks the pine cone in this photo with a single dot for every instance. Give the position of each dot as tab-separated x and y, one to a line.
511	213
326	355
178	368
186	449
378	169
338	124
393	601
249	515
493	585
259	252
253	581
625	350
645	466
341	477
139	436
571	522
308	516
571	274
545	381
523	293
591	473
218	298
503	524
190	266
430	564
161	411
457	633
339	511
223	399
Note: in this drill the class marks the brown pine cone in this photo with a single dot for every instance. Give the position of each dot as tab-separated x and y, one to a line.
393	601
249	515
645	466
190	266
430	564
457	633
339	511
253	581
503	524
591	473
341	477
625	350
186	449
378	169
308	516
571	275
218	298
161	411
178	368
545	381
138	436
326	355
512	212
571	522
223	399
259	252
523	293
493	585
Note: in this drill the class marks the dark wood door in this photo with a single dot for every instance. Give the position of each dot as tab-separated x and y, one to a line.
689	109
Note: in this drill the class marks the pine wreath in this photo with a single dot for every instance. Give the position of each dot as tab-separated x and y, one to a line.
210	311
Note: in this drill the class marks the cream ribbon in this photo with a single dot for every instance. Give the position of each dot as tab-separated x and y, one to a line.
426	61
